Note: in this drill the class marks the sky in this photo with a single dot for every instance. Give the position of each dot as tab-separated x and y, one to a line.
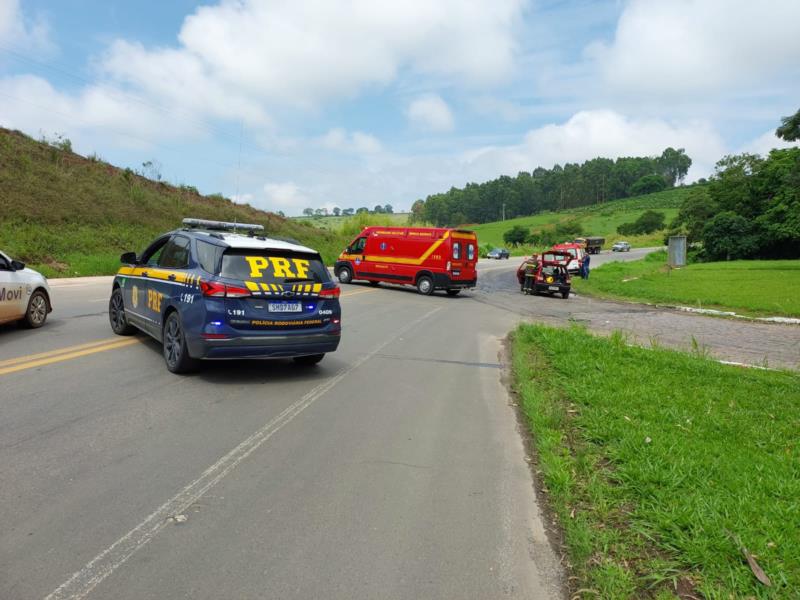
289	104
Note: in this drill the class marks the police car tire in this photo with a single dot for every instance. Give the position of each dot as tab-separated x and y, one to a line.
565	295
425	285
119	326
308	361
36	313
345	275
183	363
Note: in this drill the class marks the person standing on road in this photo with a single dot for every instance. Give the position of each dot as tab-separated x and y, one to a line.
531	266
585	267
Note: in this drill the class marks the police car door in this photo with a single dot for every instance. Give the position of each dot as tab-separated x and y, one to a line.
167	283
135	289
12	299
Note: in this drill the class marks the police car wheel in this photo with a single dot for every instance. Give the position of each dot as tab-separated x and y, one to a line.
345	275
425	285
565	295
176	353
36	314
307	361
116	315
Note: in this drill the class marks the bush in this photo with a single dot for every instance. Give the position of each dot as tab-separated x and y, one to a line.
516	236
730	236
648	222
648	184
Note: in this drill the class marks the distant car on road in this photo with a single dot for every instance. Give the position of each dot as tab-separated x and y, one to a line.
621	247
498	253
24	294
208	292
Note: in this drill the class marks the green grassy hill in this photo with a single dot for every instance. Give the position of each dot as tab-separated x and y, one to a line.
597	220
337	223
68	215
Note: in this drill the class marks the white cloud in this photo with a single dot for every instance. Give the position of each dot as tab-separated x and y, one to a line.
687	46
589	134
430	112
766	142
304	53
21	33
285	196
358	142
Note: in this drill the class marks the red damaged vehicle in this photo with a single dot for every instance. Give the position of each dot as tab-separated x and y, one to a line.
546	273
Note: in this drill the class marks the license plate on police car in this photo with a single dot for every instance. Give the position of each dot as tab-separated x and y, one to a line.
285	307
553	287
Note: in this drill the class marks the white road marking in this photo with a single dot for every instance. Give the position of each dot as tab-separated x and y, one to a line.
82	582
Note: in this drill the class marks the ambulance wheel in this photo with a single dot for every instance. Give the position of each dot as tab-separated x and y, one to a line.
36	313
116	314
345	275
176	352
453	292
308	361
425	285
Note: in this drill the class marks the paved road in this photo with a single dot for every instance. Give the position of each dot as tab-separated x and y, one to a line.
392	470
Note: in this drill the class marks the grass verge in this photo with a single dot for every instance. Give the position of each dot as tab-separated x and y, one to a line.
754	287
661	466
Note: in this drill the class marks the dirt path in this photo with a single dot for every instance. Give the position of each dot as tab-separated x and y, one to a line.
762	344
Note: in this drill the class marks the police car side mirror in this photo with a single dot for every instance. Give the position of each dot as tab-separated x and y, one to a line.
128	258
17	266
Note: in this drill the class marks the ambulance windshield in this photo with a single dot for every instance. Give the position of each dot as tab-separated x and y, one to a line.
273	267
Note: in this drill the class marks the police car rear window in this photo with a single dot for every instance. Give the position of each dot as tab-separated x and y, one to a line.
273	267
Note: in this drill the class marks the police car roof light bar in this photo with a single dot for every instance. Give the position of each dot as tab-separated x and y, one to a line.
221	225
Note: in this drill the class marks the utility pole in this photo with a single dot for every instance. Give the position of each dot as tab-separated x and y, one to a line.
504	212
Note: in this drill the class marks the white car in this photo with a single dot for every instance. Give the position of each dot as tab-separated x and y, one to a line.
24	294
621	247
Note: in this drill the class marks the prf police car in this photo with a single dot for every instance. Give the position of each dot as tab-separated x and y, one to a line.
207	292
24	294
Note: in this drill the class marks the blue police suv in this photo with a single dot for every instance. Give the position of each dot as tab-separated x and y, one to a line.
207	291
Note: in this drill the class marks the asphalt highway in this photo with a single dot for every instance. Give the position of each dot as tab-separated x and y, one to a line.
393	469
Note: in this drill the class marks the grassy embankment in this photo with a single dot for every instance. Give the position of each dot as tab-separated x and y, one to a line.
337	223
596	220
752	287
663	466
68	215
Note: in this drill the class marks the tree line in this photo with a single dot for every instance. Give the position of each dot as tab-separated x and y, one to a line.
573	185
386	209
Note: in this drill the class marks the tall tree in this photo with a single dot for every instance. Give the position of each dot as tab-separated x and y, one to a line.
337	211
790	128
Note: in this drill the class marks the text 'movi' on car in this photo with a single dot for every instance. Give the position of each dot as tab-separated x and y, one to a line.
498	253
621	247
429	258
207	291
24	294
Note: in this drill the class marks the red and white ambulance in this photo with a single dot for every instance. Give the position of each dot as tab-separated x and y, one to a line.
428	258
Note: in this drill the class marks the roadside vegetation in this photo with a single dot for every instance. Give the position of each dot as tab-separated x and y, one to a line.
68	215
602	220
671	474
750	287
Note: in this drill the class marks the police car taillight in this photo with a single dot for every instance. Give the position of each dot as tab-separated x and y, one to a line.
330	293
220	290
